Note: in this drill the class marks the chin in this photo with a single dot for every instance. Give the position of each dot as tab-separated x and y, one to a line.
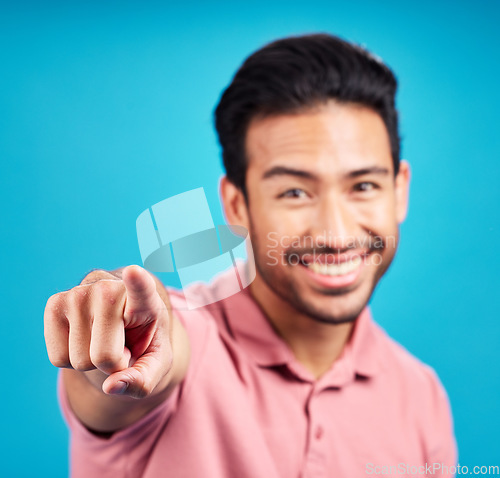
333	309
322	305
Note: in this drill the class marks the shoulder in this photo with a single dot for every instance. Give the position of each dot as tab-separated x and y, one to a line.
198	322
423	396
204	325
200	307
419	385
419	379
414	397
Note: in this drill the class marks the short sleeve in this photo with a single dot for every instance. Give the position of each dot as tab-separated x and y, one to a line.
123	454
440	443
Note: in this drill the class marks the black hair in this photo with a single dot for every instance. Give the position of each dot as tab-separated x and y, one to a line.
296	73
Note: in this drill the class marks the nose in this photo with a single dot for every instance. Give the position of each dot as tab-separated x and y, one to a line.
334	224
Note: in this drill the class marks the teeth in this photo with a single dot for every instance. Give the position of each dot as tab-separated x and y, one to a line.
335	269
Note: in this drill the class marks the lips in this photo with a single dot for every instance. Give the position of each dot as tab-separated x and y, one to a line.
331	257
334	270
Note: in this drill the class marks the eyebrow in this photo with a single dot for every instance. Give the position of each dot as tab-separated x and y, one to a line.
285	171
299	173
372	170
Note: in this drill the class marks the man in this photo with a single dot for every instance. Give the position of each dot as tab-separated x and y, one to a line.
290	377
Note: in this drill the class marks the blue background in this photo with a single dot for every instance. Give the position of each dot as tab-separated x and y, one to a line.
106	109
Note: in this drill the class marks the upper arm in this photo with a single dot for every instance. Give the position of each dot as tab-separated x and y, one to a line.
441	447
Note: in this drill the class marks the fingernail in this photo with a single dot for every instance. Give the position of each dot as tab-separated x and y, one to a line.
119	388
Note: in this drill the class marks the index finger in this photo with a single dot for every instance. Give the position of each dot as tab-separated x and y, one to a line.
141	290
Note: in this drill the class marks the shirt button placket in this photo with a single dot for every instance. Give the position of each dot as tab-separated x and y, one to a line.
319	432
316	457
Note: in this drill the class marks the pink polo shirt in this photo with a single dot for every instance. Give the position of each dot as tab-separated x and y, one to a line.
248	409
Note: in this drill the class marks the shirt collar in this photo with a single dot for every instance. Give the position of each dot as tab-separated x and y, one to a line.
252	330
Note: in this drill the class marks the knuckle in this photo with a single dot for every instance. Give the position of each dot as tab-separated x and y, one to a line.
143	390
104	360
108	291
59	360
76	297
96	275
82	364
147	388
61	363
54	302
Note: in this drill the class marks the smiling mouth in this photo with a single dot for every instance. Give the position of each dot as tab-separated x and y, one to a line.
332	269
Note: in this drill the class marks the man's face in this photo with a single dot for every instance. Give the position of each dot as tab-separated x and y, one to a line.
323	208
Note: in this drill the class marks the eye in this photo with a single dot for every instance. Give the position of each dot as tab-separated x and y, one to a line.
293	193
366	186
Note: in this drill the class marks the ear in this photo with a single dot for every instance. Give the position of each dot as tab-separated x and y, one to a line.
402	190
233	203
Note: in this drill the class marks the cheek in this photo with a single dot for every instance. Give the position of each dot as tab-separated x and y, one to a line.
384	225
378	216
268	220
272	235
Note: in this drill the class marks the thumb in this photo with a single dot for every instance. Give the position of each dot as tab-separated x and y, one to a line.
141	378
142	297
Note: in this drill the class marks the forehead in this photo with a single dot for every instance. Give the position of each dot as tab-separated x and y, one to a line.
330	139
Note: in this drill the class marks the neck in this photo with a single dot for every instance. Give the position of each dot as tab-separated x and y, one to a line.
315	344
